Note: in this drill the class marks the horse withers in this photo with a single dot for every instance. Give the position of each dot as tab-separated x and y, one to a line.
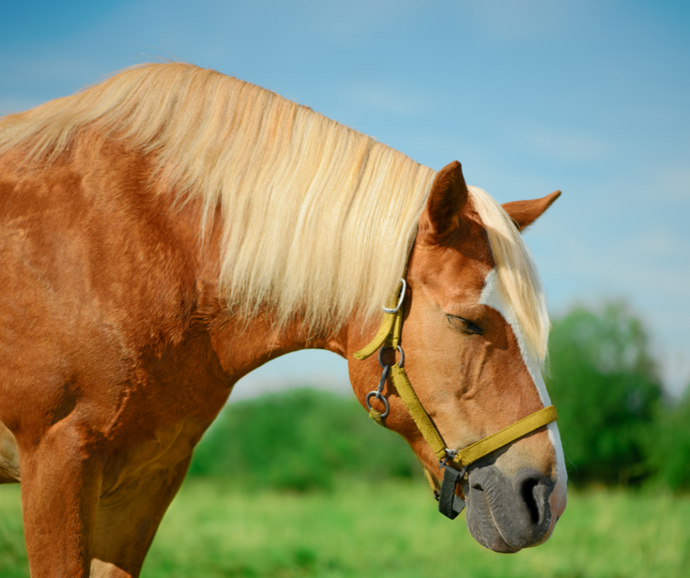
171	229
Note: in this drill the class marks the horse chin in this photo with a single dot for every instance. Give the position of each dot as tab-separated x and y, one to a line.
487	534
493	540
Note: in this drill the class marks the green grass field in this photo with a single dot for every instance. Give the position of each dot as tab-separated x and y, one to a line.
391	529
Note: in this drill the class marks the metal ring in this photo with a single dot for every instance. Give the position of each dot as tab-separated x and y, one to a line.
382	380
380	397
401	363
450	455
400	301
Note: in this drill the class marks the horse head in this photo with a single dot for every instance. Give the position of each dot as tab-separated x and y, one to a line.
474	338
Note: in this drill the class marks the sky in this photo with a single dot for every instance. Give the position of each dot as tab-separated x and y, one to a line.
589	97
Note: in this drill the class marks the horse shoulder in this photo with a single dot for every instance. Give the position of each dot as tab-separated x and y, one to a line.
100	276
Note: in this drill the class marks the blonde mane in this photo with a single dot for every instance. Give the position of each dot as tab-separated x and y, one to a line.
318	219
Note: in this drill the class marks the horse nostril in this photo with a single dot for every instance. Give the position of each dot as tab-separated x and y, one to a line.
527	491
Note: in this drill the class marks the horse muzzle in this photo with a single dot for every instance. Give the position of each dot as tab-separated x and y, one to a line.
506	514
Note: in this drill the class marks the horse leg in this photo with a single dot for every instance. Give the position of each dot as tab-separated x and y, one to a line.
127	520
60	487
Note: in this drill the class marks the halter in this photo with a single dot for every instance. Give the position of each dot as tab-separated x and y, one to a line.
454	462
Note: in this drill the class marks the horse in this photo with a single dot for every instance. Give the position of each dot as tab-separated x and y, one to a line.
170	229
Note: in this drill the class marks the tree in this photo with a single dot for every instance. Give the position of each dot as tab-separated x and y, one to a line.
668	446
607	390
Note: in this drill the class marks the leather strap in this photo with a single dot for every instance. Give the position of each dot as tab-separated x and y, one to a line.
505	436
449	504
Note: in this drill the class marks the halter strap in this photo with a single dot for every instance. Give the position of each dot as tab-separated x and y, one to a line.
389	335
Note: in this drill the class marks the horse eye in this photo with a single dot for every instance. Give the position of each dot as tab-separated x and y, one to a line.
465	325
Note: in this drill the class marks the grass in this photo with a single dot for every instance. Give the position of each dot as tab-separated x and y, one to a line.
387	529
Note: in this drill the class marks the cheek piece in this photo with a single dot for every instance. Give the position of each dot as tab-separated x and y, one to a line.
455	463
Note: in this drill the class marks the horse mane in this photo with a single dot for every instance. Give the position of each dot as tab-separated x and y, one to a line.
318	219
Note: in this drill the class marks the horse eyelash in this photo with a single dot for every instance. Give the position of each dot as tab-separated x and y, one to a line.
465	325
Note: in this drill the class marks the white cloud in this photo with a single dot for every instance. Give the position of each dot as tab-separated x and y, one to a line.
566	145
525	19
350	21
673	183
382	98
661	242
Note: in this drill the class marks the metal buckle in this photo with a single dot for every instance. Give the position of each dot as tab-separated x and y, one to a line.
450	454
400	301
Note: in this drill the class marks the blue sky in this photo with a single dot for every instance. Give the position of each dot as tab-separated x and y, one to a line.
590	97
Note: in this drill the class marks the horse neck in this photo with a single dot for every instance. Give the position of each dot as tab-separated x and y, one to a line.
244	344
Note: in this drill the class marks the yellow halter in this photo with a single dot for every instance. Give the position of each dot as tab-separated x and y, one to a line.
388	336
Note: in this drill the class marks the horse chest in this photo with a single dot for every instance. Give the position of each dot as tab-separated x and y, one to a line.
163	448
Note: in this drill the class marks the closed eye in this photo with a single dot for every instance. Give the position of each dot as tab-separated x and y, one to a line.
465	325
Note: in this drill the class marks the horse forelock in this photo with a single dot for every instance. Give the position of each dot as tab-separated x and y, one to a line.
317	219
514	283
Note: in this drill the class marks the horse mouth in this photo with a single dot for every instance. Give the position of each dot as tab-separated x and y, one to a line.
484	529
508	514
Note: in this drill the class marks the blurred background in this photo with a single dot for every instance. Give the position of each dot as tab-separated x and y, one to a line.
589	97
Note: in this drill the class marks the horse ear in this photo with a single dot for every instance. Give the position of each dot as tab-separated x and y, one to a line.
444	207
524	213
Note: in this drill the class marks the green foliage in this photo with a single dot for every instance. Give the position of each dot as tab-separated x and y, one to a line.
668	446
13	560
605	385
300	440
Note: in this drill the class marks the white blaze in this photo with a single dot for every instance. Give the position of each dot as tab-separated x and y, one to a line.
492	295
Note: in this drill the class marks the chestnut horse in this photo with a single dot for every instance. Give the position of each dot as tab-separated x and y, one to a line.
169	230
